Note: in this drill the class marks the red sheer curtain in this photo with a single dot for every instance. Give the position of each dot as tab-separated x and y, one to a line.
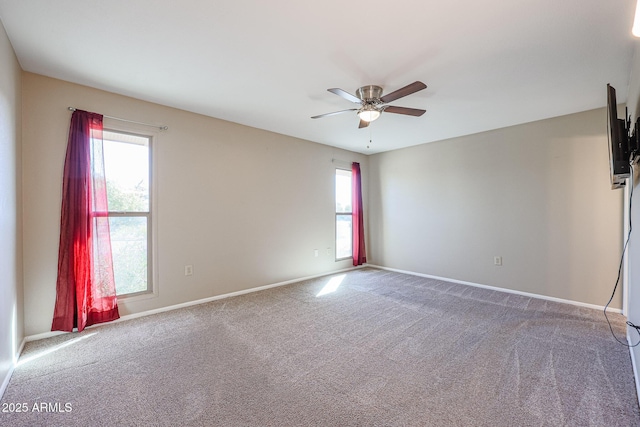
85	288
359	252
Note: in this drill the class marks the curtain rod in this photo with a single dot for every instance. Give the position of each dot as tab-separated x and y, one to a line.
129	121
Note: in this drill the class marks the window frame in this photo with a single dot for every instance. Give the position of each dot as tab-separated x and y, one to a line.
151	290
335	223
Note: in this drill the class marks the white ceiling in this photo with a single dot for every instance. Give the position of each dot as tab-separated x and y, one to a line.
267	64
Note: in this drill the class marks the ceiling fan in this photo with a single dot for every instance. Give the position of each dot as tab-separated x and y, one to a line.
372	103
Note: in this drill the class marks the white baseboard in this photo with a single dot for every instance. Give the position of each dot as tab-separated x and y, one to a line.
192	303
7	378
19	352
634	366
495	288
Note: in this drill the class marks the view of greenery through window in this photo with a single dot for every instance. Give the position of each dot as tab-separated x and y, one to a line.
344	219
126	159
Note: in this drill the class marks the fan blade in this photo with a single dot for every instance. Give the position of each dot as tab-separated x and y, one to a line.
404	110
334	113
407	90
363	124
345	95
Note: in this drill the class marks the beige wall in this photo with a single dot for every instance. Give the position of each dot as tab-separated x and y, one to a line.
537	194
244	206
11	328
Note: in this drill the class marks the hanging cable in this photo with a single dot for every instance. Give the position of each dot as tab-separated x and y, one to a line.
624	250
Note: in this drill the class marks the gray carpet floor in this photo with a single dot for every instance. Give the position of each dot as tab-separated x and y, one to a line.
382	349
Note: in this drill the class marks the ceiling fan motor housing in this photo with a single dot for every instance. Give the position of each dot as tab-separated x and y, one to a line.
369	93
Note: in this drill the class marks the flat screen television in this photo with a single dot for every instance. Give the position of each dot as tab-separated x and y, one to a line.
619	154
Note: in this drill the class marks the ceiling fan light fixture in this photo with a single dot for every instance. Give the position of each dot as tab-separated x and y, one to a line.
368	114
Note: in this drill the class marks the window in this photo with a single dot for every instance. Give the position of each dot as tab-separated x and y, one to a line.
344	218
126	163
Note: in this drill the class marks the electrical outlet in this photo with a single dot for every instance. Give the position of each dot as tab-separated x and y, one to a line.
315	253
328	251
188	270
497	260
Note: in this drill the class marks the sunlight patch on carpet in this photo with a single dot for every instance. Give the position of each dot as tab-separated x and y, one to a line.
331	286
25	360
